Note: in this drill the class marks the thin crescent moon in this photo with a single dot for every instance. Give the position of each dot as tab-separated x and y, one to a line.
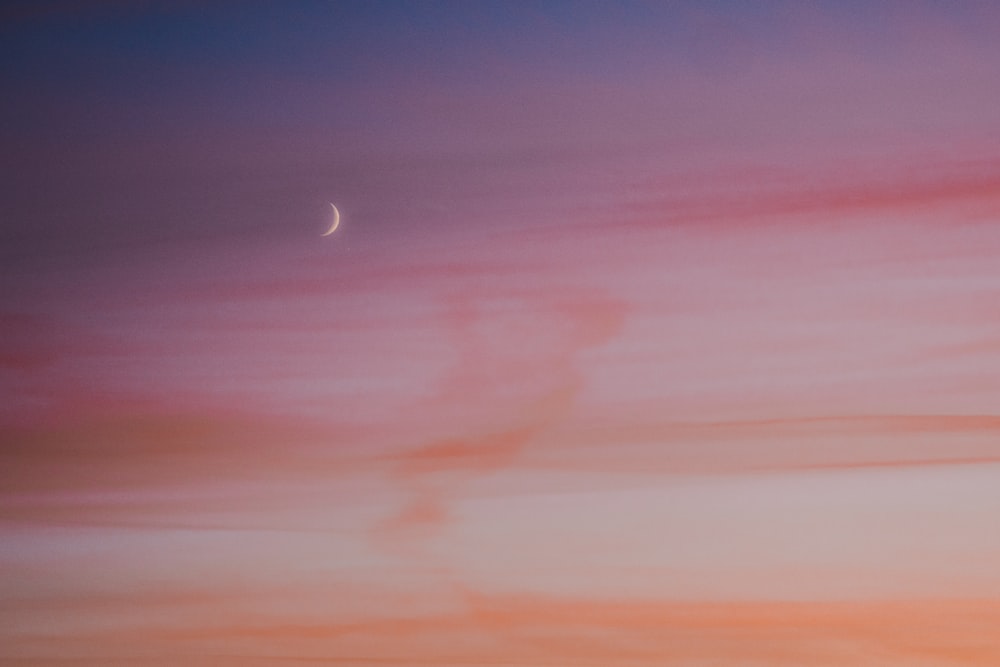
335	223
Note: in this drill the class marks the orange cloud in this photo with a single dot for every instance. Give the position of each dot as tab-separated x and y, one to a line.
533	631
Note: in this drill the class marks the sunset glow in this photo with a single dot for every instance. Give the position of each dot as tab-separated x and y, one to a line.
651	334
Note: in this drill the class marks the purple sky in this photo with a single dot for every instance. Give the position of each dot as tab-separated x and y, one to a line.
653	333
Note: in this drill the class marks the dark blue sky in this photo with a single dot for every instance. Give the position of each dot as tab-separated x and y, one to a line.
272	102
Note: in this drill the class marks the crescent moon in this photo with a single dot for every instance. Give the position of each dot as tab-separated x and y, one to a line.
335	223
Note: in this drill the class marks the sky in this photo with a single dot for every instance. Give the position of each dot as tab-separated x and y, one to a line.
653	333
